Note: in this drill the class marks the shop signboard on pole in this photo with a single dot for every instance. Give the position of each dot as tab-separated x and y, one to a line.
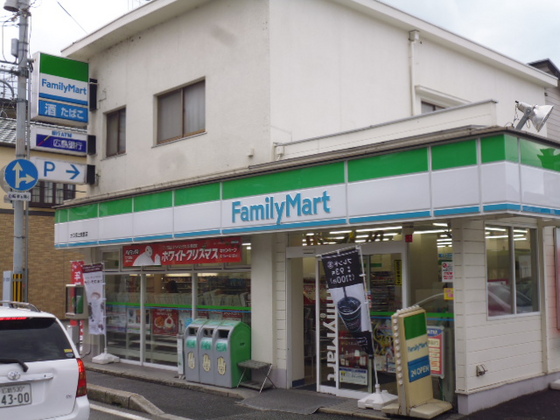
60	92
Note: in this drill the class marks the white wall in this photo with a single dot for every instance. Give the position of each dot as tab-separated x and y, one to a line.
511	348
274	74
225	43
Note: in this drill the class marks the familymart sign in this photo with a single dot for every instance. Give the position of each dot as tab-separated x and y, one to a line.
60	91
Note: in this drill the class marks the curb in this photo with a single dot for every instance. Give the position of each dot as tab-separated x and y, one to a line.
124	399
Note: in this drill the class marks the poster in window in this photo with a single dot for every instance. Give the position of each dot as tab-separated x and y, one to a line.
345	281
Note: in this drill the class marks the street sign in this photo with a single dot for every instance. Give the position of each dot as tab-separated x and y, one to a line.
21	174
19	196
60	171
58	140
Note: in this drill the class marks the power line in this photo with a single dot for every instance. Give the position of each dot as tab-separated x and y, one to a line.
72	17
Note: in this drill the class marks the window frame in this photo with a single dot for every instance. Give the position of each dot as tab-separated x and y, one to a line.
68	192
120	138
514	270
181	119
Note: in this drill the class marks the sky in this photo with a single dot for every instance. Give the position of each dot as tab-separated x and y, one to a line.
521	29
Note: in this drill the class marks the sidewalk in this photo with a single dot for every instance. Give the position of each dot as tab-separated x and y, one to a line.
101	391
542	405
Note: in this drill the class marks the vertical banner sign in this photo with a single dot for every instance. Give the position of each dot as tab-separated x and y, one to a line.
345	281
94	282
435	345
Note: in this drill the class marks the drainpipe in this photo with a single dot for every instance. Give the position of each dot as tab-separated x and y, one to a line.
414	39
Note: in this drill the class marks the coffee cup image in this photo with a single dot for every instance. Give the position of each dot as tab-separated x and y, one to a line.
350	310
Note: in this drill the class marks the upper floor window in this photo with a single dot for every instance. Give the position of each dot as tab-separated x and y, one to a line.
181	113
116	132
49	194
511	258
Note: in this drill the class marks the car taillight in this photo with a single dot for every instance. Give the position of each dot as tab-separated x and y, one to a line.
82	383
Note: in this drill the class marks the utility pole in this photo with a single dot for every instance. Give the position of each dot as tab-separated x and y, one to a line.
22	8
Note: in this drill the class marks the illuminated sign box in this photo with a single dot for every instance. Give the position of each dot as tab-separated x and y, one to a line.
60	91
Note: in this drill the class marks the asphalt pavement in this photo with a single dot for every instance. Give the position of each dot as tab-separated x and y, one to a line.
162	394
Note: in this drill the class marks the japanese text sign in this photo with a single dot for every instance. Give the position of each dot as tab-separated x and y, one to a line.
203	251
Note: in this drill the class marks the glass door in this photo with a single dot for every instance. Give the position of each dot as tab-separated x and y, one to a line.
343	367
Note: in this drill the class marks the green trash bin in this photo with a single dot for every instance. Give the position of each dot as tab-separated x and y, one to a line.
191	364
206	352
232	345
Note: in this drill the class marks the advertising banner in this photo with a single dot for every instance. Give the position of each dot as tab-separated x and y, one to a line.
345	282
165	321
203	251
94	282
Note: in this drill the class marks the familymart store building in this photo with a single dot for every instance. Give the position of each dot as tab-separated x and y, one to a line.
465	227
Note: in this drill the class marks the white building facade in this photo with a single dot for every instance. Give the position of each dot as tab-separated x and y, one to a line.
264	137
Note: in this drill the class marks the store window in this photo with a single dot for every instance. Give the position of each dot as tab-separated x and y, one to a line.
181	113
512	270
49	194
116	132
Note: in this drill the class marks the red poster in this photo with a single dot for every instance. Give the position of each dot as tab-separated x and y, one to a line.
165	321
202	251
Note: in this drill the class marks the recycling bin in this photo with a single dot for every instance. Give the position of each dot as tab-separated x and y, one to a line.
206	352
232	345
191	364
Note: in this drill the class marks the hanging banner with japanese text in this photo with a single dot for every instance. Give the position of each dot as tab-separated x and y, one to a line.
94	283
202	251
345	281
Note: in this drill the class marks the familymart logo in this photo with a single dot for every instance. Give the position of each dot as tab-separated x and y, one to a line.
293	205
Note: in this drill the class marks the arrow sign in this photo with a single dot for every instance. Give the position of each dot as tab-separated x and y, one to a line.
21	174
60	171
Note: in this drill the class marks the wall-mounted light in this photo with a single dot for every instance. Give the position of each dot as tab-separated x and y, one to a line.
537	114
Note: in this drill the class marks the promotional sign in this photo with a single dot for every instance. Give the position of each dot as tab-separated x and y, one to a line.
435	345
203	251
94	282
165	321
345	281
414	382
59	141
60	91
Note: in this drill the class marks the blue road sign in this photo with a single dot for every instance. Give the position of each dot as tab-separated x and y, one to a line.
21	174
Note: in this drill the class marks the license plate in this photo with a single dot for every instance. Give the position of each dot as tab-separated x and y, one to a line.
14	395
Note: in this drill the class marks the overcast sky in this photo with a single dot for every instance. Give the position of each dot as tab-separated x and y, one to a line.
524	30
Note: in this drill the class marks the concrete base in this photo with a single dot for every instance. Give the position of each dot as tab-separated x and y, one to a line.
555	385
105	358
377	400
429	410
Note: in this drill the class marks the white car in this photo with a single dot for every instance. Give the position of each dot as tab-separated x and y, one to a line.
41	374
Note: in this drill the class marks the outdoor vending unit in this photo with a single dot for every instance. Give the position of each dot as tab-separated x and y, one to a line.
232	345
76	305
206	352
192	360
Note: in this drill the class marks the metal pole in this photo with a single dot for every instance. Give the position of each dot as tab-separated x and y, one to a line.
21	135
